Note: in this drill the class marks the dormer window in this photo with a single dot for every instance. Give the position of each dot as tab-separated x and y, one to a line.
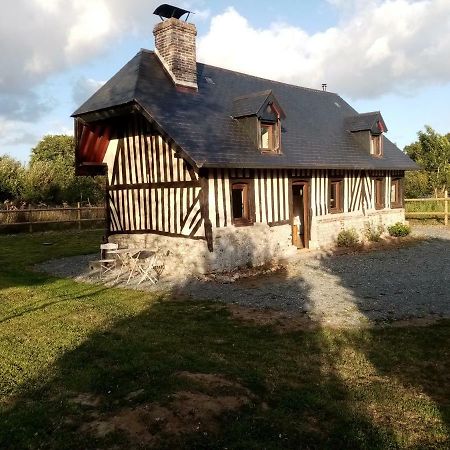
376	145
259	115
367	130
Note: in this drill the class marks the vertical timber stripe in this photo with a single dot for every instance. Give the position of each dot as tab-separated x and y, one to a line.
270	188
137	200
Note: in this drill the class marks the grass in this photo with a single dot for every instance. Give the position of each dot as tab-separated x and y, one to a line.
373	388
430	206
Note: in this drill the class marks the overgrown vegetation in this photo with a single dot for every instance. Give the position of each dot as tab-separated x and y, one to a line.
432	152
347	238
399	230
82	364
373	232
49	177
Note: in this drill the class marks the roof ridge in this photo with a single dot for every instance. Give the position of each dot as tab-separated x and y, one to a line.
255	76
139	68
370	112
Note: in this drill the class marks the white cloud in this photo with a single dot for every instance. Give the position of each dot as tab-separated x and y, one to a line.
380	47
41	37
93	23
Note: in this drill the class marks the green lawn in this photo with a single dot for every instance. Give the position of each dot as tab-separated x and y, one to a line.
81	364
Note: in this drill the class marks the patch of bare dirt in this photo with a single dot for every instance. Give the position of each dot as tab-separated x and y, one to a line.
243	273
213	382
186	412
281	321
86	399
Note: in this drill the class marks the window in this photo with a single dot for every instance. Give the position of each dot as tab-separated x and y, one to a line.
379	193
240	203
336	197
269	136
396	193
376	145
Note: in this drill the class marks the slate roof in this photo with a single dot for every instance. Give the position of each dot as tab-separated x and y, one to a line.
314	133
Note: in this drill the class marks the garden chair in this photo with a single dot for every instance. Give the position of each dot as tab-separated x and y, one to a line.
107	264
147	266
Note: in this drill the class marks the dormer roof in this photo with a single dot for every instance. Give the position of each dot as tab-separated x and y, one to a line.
372	121
256	104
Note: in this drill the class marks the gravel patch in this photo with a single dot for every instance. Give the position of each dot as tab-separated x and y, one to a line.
357	289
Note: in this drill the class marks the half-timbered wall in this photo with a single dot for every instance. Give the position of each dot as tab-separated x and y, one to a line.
271	192
151	189
270	188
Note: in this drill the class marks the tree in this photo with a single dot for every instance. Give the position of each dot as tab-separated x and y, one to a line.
11	178
432	153
53	148
51	174
417	184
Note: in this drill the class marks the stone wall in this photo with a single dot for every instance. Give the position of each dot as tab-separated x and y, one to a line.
324	230
233	247
250	246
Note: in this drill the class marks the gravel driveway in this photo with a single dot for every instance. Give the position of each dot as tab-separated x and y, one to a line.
345	290
352	289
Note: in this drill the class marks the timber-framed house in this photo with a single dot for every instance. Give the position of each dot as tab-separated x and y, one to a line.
225	169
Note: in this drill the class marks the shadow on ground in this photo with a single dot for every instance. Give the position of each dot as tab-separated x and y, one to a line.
183	374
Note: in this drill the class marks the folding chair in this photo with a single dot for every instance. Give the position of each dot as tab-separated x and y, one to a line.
106	264
147	266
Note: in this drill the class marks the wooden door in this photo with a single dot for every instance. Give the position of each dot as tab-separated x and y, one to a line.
300	213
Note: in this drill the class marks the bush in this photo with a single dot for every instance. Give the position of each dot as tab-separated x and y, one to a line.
347	238
399	230
417	184
372	233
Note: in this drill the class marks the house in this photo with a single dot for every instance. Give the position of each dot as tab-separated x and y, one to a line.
226	169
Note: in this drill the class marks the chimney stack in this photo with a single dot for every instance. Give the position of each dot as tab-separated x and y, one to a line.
175	47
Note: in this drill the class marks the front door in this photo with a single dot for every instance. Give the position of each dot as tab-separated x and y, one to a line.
300	214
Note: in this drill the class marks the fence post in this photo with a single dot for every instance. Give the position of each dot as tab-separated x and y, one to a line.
30	226
446	207
79	215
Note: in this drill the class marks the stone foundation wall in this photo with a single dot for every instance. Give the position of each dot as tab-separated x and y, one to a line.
250	246
324	230
254	245
233	247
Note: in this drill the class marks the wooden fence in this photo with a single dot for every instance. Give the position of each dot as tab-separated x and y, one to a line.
33	216
423	208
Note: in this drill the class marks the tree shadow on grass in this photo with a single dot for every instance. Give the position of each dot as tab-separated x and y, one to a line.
319	389
293	395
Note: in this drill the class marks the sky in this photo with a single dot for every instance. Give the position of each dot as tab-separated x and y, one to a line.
387	55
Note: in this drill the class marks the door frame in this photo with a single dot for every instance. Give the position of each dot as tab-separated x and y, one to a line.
306	183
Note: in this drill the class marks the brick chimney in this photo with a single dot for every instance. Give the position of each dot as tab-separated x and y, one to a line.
175	47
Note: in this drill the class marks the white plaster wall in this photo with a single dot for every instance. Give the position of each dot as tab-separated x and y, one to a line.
233	247
324	230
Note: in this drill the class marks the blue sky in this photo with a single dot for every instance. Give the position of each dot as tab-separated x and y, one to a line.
382	55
